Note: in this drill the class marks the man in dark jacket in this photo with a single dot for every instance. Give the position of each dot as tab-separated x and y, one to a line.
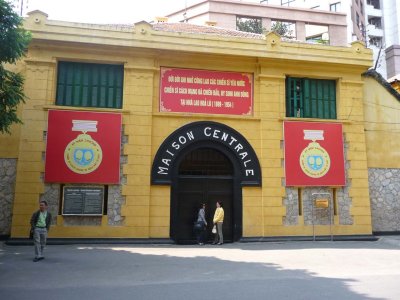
40	224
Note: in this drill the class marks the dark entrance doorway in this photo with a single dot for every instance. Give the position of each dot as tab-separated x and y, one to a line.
204	175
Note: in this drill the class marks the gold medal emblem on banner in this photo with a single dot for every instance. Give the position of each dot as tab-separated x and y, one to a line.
314	160
83	155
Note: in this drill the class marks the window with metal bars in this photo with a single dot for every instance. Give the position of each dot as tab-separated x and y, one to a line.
89	85
205	162
310	98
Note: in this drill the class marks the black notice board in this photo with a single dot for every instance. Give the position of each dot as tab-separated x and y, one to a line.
83	200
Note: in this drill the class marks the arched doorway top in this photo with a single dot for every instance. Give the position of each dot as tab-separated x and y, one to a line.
209	134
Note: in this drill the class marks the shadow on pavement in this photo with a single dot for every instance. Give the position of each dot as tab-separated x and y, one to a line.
162	272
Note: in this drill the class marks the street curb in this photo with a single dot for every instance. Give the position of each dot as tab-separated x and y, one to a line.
73	241
95	241
341	238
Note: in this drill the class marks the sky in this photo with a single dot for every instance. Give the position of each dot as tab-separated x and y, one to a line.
107	11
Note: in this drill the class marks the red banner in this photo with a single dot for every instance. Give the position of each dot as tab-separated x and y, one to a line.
210	92
83	147
314	154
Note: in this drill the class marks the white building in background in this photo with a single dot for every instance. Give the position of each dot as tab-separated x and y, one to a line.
375	22
301	24
391	29
354	10
375	34
383	35
299	17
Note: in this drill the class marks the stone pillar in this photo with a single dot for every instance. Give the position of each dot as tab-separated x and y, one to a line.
337	35
300	31
393	60
266	24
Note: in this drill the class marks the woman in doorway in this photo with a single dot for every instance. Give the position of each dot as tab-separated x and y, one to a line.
202	223
218	221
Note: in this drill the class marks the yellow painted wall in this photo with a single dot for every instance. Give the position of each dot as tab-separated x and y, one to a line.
9	142
382	126
147	208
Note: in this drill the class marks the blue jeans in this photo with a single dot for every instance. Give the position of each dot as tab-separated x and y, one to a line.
200	234
39	240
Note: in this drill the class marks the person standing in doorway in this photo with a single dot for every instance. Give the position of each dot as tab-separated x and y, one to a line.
40	224
202	224
218	221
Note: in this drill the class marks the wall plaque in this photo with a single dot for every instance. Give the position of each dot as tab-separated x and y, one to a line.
83	201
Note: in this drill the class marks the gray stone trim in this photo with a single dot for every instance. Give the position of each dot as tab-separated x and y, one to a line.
52	196
115	198
343	199
8	174
344	203
384	190
291	201
321	216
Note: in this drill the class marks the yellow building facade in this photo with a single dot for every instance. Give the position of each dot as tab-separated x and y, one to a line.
139	206
382	132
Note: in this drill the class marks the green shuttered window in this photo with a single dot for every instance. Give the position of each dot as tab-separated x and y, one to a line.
310	98
89	85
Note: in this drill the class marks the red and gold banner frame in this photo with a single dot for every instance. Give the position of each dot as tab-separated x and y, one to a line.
314	154
203	91
83	147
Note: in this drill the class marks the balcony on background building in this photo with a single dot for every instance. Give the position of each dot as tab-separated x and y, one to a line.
374	31
375	41
372	11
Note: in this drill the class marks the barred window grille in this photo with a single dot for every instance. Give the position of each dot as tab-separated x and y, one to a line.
89	85
310	98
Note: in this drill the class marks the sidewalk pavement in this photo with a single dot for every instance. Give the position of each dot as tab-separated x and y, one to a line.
390	239
354	270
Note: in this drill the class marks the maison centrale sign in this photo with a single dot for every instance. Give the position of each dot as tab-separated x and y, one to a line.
205	91
206	135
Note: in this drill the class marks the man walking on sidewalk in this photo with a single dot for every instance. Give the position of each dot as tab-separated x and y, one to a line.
40	224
